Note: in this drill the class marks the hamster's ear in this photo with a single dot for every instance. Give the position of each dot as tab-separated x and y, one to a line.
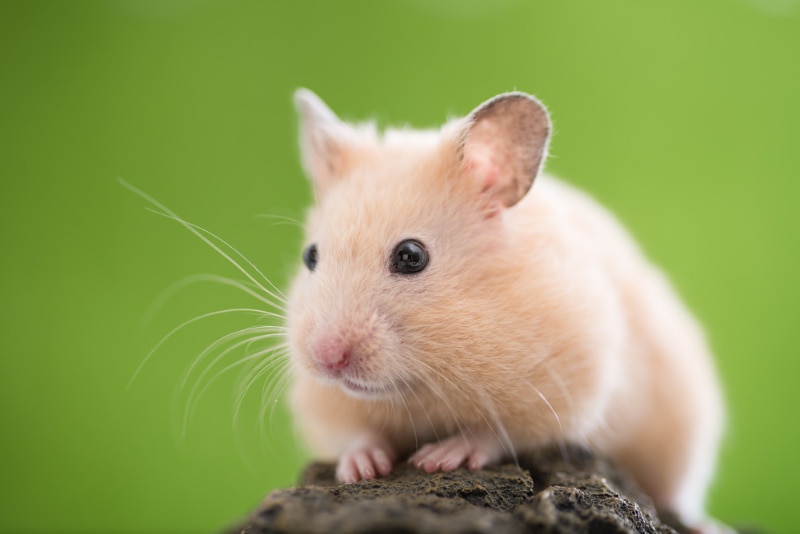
504	145
324	139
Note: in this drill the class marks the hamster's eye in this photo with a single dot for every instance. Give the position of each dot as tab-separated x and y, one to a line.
409	257
310	256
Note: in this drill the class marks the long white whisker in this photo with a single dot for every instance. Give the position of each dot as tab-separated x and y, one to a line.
267	399
262	367
195	396
199	232
224	353
550	406
233	335
278	392
436	390
184	325
562	386
173	289
203	232
503	438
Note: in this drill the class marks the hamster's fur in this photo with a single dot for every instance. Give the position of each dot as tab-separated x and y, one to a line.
537	320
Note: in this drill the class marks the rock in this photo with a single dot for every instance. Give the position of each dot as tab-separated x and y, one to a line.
555	491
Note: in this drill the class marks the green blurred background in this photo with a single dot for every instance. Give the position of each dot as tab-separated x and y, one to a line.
682	116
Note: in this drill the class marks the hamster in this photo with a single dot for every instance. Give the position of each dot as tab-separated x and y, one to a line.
456	307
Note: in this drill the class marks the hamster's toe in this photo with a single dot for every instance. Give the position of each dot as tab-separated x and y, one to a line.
453	452
363	464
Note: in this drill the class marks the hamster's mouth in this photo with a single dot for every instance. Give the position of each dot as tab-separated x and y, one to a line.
358	389
355	384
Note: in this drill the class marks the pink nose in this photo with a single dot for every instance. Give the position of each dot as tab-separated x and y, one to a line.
331	354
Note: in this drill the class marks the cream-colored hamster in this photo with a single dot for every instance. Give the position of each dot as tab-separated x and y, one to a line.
458	307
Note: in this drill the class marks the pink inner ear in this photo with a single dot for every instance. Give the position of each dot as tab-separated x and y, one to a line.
490	152
480	161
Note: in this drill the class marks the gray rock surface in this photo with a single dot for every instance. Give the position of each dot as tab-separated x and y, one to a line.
553	491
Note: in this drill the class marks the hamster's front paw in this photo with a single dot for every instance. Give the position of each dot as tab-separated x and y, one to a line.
449	454
365	462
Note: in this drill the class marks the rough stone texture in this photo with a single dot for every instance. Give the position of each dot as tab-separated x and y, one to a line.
553	491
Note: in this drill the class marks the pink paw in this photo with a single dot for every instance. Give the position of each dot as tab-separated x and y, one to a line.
364	463
453	452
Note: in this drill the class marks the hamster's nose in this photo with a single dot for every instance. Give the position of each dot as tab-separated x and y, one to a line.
331	354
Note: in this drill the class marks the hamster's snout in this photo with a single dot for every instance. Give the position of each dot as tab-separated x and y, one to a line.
352	356
331	353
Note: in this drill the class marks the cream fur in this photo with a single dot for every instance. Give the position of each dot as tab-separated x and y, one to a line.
536	324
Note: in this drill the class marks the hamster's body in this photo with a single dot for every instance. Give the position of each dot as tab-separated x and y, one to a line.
536	319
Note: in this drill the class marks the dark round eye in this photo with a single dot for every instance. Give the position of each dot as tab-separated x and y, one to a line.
310	256
409	257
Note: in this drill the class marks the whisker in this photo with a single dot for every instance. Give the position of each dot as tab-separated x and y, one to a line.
184	325
282	219
411	417
550	406
228	337
271	399
562	386
505	441
202	232
261	368
227	351
248	370
269	362
199	232
178	286
283	382
503	438
195	396
436	390
565	393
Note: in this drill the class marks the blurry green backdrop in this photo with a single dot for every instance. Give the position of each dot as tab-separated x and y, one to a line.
682	116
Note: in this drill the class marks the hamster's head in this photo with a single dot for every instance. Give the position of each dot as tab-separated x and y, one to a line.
402	243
